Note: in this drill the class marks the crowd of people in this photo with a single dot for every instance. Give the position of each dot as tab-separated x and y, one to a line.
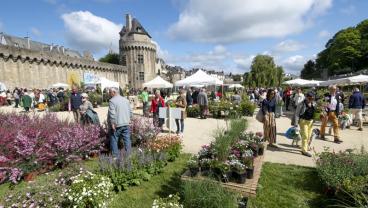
304	108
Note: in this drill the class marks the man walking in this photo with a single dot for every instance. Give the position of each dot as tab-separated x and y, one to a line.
357	104
75	101
118	119
144	98
331	113
202	102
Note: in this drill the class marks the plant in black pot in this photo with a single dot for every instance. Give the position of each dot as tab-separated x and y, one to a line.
193	166
222	170
260	142
205	165
239	171
249	167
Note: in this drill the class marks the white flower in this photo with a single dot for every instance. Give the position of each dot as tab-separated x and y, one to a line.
170	195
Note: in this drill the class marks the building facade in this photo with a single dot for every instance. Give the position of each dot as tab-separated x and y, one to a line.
137	52
31	64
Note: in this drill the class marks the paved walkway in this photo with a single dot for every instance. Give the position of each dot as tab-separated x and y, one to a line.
199	132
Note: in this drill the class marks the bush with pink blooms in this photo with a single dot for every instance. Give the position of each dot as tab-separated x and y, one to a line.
32	143
143	130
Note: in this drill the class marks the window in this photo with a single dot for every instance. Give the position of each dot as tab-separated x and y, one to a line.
141	76
140	59
123	60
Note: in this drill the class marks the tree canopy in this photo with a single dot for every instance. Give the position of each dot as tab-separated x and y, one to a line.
264	72
346	51
112	58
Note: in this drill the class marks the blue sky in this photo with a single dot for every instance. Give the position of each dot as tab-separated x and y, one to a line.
217	34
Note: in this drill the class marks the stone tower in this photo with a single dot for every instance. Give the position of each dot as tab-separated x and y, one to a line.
137	52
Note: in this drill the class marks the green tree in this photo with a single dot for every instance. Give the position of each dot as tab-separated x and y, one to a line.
112	58
310	71
264	72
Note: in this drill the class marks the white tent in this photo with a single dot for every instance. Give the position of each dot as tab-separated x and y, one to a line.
158	82
296	82
236	86
105	83
359	79
2	87
199	78
312	83
59	84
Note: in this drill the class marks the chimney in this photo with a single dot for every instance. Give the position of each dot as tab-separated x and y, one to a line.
128	23
28	42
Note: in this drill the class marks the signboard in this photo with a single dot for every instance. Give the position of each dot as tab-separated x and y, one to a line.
90	78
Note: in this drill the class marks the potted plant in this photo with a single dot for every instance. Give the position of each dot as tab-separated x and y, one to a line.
221	170
29	168
205	165
239	171
193	166
249	168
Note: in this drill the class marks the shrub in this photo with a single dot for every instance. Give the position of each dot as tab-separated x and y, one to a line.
193	111
247	108
143	130
207	194
170	202
31	143
89	190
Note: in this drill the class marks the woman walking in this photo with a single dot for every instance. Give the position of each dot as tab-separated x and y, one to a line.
304	116
181	103
269	124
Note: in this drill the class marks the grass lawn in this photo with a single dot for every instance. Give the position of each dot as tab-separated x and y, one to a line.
280	186
289	186
168	182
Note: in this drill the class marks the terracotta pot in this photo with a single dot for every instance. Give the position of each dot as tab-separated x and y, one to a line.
94	154
30	176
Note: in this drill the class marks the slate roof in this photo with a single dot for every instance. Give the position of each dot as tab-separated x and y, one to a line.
10	40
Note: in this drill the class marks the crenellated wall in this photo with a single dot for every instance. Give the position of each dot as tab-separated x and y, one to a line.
39	69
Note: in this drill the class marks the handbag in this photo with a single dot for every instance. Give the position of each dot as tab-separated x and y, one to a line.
260	116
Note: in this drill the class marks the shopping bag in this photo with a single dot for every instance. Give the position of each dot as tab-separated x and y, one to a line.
260	116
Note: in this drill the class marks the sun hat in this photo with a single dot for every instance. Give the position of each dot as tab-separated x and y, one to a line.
84	95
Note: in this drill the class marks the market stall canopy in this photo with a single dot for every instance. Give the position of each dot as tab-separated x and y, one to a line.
296	82
236	86
60	85
2	87
359	79
105	83
158	82
312	83
199	78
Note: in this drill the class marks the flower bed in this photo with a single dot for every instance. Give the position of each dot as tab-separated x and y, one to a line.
142	164
73	187
345	175
230	157
226	109
32	145
142	130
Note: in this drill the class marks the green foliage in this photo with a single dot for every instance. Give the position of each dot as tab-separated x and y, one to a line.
89	190
345	52
172	201
193	111
207	194
345	172
264	73
112	58
95	98
310	71
247	108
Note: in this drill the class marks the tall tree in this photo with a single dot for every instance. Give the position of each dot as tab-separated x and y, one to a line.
264	72
310	71
112	58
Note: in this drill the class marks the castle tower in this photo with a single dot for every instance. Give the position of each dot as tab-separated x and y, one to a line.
137	52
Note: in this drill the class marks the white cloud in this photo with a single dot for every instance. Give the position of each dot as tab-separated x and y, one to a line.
293	64
241	20
244	62
87	31
324	34
35	31
288	46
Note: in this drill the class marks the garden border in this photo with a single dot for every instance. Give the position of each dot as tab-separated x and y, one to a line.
248	189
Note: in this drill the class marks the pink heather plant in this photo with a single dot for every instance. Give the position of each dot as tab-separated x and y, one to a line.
44	139
143	130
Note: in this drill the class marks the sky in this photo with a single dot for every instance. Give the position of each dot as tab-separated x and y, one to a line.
213	34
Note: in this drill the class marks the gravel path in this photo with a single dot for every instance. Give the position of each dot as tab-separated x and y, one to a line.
198	132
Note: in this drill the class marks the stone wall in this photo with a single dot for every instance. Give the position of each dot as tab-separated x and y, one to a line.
38	69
